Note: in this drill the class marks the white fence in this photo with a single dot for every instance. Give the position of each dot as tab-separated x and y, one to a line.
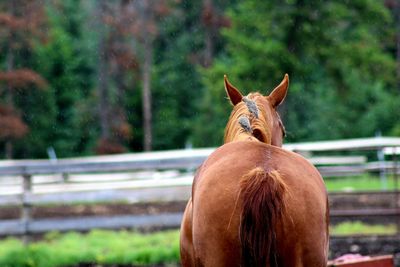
147	177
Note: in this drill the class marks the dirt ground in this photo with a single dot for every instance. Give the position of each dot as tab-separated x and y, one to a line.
337	202
65	211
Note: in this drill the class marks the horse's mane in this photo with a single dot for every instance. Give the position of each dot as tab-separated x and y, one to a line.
248	121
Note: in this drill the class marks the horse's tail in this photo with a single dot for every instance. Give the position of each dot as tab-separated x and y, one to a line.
261	194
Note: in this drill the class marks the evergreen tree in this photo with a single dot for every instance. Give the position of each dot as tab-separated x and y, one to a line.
177	86
188	39
64	62
334	51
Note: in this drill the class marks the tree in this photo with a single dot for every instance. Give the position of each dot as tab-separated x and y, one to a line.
176	85
21	21
341	73
137	24
147	14
63	60
117	60
189	38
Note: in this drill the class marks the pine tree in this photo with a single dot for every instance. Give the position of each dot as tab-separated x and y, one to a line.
63	61
334	52
118	67
188	39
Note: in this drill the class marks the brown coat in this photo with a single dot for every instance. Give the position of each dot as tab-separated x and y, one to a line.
255	204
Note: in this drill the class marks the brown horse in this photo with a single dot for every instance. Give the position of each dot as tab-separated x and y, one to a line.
254	204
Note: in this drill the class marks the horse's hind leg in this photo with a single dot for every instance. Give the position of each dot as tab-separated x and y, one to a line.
186	240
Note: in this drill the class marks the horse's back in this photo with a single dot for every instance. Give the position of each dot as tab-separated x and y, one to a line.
216	205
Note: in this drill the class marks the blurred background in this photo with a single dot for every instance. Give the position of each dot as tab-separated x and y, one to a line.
84	78
99	77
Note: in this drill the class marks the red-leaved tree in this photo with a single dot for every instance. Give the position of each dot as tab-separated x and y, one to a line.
20	23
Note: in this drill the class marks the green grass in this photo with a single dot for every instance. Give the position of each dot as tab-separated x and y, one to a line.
100	247
359	228
358	183
111	248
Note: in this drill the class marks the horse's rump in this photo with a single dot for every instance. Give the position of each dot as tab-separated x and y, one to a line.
249	209
262	196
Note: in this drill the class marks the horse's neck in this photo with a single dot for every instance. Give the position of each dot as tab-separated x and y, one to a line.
244	137
246	125
239	135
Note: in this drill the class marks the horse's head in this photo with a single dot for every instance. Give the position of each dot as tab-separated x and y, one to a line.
254	117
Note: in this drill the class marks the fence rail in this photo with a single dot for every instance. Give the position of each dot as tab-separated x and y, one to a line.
146	177
180	158
40	226
142	221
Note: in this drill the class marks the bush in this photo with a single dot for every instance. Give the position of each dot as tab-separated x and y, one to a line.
98	247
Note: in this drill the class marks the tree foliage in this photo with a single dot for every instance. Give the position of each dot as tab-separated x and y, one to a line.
21	23
63	61
88	77
336	53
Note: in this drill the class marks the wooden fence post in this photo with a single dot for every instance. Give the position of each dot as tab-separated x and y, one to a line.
396	186
26	206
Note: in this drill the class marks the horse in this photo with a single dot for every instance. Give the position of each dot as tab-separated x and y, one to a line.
254	203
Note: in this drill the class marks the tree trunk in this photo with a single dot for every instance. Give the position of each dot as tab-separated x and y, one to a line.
103	74
9	90
147	41
119	72
209	17
397	18
146	77
9	96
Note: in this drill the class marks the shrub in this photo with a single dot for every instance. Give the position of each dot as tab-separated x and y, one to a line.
97	247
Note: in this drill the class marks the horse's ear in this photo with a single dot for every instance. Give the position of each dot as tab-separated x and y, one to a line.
277	96
234	95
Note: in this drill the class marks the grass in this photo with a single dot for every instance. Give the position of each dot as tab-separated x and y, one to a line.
359	183
100	247
113	248
359	228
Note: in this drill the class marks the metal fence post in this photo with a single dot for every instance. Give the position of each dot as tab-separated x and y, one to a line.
26	206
